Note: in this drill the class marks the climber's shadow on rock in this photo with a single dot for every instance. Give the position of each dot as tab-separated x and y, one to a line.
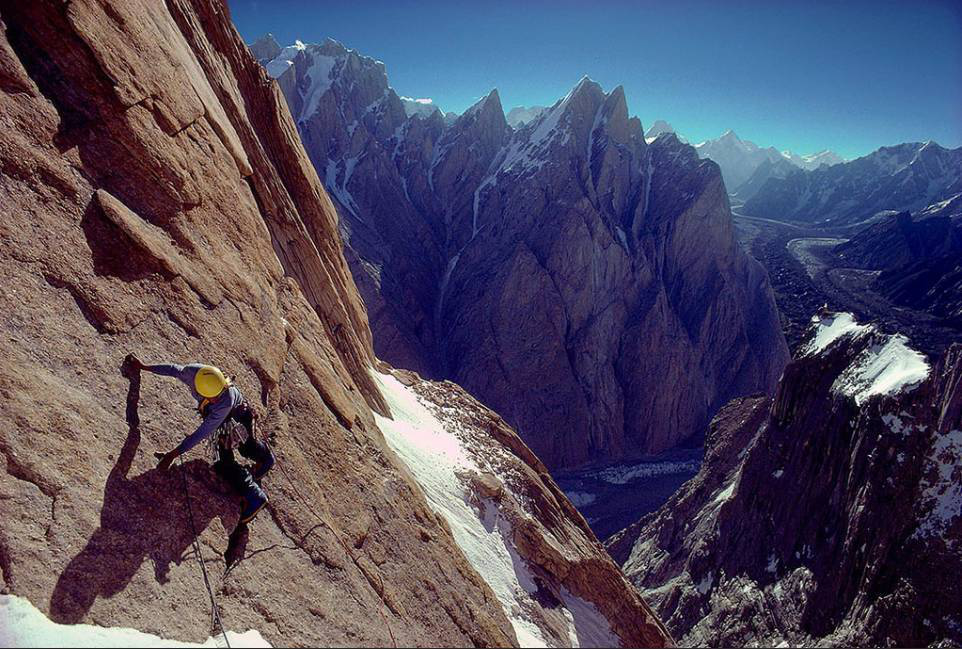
143	517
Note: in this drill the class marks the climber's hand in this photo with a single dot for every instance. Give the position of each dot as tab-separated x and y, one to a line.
134	363
165	459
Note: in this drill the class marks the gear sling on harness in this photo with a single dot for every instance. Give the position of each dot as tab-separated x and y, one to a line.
238	433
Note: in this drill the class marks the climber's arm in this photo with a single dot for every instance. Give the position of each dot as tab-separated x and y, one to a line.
212	421
164	369
216	415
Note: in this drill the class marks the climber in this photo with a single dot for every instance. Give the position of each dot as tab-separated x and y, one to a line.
224	410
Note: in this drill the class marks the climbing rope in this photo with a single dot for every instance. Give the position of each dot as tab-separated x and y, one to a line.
342	543
214	611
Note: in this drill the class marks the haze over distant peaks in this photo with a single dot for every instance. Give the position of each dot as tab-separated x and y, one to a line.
423	107
521	115
660	126
740	159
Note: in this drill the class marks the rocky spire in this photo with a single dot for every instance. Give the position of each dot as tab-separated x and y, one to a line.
265	49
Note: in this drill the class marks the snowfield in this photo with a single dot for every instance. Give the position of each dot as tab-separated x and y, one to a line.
887	368
23	625
440	463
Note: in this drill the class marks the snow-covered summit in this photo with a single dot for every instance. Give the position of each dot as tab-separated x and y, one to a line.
306	71
739	159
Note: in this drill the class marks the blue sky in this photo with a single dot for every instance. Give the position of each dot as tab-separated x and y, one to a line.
805	76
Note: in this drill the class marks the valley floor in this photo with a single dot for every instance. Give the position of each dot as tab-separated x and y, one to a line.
806	275
613	498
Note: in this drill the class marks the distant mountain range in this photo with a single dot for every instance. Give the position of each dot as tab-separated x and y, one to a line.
908	176
743	163
739	159
520	115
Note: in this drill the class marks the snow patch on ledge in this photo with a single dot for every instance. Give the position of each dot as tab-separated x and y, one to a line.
887	368
436	457
830	328
23	625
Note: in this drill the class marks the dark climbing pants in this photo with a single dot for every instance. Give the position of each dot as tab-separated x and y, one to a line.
239	477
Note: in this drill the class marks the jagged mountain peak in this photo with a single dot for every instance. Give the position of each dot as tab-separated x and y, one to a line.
585	99
267	38
487	113
266	48
658	127
471	203
331	47
490	101
586	88
618	92
616	104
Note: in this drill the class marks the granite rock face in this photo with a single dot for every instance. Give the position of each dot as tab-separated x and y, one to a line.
158	199
827	515
581	282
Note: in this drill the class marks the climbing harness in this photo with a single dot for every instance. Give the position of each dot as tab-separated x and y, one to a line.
231	435
214	611
234	432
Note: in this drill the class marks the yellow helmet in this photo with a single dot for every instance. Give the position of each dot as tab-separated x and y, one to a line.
210	381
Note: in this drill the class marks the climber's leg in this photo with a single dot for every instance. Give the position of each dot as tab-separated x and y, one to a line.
260	453
239	478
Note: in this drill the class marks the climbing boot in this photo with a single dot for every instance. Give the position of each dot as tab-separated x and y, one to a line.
236	545
254	501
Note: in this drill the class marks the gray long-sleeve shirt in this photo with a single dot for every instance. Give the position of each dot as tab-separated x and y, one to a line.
217	412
